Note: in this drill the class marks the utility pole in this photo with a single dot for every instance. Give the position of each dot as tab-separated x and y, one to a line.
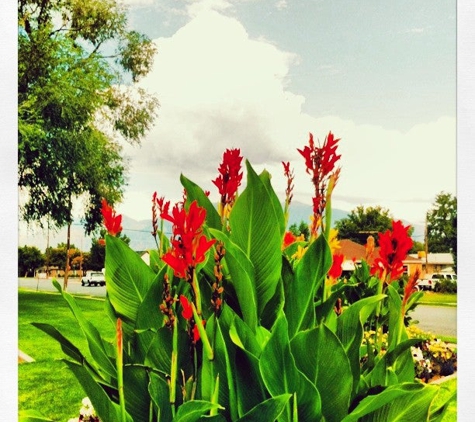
426	245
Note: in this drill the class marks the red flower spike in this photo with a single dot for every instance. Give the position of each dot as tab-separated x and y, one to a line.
336	268
187	312
320	162
230	175
189	244
394	247
111	221
409	289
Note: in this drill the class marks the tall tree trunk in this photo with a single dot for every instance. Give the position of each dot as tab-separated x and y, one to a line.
66	271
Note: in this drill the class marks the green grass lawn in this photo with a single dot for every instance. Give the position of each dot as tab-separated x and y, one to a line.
439	299
47	385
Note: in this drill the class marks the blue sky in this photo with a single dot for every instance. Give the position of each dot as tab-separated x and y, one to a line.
261	75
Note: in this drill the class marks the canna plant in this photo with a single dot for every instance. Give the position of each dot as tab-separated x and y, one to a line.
235	320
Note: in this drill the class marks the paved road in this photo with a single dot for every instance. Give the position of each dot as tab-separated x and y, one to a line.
440	320
74	286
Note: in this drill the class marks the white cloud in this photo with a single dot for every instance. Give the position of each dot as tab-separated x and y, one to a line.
219	89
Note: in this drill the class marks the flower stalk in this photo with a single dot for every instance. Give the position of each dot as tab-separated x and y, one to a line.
120	370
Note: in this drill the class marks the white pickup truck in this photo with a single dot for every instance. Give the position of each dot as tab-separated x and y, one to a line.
93	278
430	280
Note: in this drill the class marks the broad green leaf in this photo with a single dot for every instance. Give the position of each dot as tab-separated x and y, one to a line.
398	361
106	409
402	402
101	351
149	318
265	177
301	286
320	355
159	353
194	192
160	395
281	375
128	280
445	402
350	331
243	337
255	228
137	398
268	410
250	388
221	365
66	346
156	263
191	411
242	278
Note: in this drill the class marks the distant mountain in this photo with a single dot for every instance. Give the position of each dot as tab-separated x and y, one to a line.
139	231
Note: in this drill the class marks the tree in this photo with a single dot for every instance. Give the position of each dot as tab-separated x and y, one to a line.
77	67
97	254
302	228
57	256
30	258
442	225
362	222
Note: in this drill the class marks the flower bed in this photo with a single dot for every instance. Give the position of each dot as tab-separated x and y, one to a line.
236	320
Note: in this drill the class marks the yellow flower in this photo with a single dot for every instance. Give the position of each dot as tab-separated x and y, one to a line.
333	241
300	252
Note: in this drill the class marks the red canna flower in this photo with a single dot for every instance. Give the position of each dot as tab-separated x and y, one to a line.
111	221
320	163
394	247
336	268
187	309
289	238
189	244
196	333
230	175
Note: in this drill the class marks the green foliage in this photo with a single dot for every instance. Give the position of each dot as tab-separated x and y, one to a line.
362	222
69	103
275	345
442	225
302	228
30	259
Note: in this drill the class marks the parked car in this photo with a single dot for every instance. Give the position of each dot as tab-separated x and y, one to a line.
425	284
93	278
430	281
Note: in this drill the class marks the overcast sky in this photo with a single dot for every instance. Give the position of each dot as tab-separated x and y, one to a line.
261	75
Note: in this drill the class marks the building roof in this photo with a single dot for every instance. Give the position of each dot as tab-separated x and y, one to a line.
435	258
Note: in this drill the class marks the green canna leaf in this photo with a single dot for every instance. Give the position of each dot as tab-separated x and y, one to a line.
241	273
159	393
102	351
302	284
350	331
281	375
402	402
320	355
128	280
106	409
255	228
268	410
192	411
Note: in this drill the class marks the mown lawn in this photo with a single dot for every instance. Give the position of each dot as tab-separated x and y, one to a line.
439	299
47	385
